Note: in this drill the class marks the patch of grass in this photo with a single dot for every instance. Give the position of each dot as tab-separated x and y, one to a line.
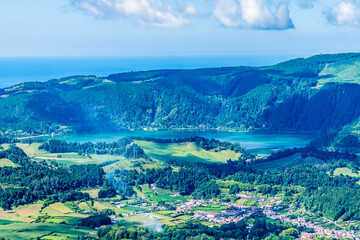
345	71
145	188
93	192
138	192
32	150
25	213
168	198
250	202
122	164
163	219
346	172
66	219
5	222
20	231
241	201
84	206
4	162
184	152
116	210
137	220
57	208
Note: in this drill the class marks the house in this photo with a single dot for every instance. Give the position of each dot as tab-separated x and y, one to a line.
229	212
214	215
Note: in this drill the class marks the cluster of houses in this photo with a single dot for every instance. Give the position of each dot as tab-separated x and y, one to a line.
267	206
318	231
224	217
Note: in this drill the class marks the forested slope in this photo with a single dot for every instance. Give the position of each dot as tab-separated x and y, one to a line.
298	95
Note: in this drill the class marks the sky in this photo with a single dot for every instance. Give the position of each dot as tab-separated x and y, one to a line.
42	28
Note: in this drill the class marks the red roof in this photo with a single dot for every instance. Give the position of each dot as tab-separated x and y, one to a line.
214	214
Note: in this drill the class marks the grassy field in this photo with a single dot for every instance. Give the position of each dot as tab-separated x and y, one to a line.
5	146
287	162
346	172
57	209
20	231
26	213
346	71
164	217
184	152
5	222
122	164
7	163
158	194
137	220
32	150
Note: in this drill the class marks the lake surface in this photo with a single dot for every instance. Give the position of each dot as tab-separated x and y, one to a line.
259	143
18	70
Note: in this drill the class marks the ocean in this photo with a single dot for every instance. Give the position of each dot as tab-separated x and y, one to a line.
17	70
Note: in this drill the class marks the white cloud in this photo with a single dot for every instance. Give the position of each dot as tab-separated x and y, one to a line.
344	13
159	13
258	14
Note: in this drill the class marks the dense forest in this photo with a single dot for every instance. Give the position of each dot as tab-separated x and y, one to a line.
197	231
32	181
280	97
123	147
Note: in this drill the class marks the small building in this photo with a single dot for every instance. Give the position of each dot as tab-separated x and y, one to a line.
214	215
229	212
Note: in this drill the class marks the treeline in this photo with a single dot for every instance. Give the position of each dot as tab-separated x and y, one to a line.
261	229
123	147
188	179
185	181
198	179
308	176
33	181
326	156
334	203
345	141
4	139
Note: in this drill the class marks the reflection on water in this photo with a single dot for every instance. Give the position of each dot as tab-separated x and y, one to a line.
259	143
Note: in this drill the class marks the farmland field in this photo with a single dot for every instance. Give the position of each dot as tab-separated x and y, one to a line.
20	231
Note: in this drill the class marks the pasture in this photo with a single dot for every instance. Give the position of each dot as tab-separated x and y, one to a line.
184	152
32	150
20	231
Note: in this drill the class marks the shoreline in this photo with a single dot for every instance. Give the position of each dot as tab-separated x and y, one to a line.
179	130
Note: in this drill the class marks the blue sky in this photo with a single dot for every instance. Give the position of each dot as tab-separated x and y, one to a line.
178	27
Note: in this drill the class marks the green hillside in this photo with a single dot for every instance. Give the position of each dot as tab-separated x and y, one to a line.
289	96
346	71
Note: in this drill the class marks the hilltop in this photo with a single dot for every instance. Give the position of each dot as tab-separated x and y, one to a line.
319	93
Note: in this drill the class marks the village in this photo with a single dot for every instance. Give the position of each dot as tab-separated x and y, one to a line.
234	213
